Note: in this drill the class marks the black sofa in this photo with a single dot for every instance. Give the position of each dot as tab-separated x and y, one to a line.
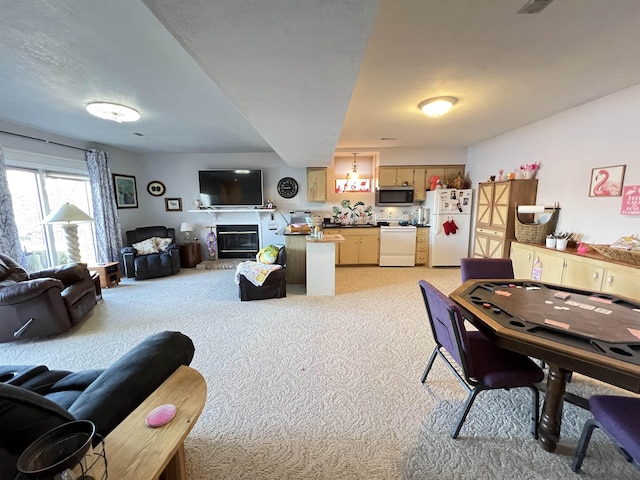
34	399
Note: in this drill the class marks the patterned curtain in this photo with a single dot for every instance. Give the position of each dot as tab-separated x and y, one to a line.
105	213
9	238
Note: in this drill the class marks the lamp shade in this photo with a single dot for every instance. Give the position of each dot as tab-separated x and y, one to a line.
186	227
67	213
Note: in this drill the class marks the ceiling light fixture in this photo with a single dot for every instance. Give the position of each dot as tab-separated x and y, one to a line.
437	106
353	174
112	111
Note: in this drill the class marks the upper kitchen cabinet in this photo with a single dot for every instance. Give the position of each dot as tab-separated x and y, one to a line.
316	184
395	176
446	173
495	215
420	184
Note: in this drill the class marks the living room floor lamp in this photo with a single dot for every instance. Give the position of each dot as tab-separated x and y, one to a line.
68	216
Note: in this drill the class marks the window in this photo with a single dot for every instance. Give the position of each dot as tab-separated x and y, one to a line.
36	192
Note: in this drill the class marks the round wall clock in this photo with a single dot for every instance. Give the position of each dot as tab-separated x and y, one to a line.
156	188
287	187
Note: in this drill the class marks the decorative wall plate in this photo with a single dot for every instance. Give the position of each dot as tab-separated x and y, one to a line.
156	188
287	187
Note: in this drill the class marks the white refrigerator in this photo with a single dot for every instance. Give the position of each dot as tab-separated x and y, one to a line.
450	222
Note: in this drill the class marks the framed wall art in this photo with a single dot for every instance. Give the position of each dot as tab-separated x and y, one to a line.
156	188
173	204
607	181
125	189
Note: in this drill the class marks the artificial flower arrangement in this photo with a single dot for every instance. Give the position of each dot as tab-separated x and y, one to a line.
359	213
530	167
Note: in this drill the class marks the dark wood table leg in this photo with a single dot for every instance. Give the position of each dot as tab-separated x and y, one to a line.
551	418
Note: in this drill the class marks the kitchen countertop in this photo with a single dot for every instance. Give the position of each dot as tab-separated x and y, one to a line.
328	238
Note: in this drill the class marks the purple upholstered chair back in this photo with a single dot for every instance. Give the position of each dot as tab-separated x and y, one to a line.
618	415
447	325
486	268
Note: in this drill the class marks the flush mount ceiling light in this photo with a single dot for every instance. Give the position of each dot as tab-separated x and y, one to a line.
112	111
434	107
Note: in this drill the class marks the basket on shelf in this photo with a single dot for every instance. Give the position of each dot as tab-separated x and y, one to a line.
536	232
618	254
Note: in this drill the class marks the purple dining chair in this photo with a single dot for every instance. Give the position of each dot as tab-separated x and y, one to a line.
486	268
618	417
484	365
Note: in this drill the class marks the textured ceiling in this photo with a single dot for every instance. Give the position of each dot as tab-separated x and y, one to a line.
304	77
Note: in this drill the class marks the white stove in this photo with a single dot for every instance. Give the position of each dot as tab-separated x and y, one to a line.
397	245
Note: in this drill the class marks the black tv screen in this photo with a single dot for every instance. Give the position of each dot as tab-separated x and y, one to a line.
231	188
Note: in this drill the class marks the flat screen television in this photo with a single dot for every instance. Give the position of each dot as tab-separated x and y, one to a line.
231	188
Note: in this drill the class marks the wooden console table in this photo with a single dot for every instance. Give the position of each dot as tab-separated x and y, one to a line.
137	452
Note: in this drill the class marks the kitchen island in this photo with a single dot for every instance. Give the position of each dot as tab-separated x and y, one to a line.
321	264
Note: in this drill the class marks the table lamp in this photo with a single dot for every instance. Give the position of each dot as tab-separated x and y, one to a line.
187	228
68	216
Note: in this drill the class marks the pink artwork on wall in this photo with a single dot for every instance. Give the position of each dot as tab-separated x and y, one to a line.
630	200
607	181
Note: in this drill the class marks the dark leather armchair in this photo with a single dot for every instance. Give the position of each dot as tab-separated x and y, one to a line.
275	286
47	302
158	264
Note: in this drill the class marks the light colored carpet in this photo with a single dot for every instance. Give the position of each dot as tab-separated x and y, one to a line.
220	264
324	387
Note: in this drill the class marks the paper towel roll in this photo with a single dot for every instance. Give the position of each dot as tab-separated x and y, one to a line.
531	209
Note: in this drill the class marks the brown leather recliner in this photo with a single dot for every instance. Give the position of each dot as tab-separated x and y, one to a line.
47	302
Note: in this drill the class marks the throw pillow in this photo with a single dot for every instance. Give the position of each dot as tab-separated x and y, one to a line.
268	254
163	243
145	247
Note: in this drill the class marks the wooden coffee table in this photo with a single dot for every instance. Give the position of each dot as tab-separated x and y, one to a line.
135	451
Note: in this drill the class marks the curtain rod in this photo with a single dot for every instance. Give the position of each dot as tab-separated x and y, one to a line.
42	140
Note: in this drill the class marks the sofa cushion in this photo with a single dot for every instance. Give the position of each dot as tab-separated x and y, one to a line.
163	243
146	247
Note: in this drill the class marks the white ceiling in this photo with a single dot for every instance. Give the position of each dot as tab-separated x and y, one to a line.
304	77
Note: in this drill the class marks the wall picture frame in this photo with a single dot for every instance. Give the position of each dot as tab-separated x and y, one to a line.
173	204
125	191
607	181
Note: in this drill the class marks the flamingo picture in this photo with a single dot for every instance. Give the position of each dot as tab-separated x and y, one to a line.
605	187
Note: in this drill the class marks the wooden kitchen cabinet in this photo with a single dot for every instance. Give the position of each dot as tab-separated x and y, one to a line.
446	173
422	245
395	176
522	258
495	215
582	273
622	280
361	246
316	184
591	271
420	184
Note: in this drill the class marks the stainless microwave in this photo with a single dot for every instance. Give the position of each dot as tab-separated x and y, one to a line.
394	196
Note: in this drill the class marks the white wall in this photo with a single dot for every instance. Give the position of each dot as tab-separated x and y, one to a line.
569	145
179	173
